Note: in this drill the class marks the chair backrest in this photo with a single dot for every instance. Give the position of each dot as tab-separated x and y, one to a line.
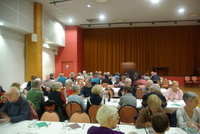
92	111
104	85
52	107
139	93
165	82
194	78
72	107
127	113
50	116
80	117
187	78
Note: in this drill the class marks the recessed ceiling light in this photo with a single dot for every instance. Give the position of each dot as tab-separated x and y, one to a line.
181	10
1	23
88	6
101	17
155	1
70	20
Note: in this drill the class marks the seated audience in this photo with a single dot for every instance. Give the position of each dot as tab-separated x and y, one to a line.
139	81
62	79
127	83
154	106
74	97
28	86
108	118
155	78
46	84
35	95
146	76
148	84
86	90
17	85
16	109
154	89
127	98
107	80
58	97
118	82
68	90
160	123
95	80
189	114
95	98
174	93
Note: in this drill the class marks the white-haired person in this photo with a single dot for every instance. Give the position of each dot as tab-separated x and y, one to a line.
154	106
154	89
128	82
68	90
75	96
174	93
95	98
189	115
108	118
57	96
16	109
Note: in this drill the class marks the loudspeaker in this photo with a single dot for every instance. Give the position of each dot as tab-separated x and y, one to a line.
34	37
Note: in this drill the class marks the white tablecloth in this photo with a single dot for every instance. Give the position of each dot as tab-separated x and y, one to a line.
57	128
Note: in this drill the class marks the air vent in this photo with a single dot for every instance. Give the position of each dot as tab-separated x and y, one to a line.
93	20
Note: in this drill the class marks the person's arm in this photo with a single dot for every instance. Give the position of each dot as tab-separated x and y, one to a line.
167	94
23	115
141	120
120	101
120	91
164	102
144	100
180	119
82	104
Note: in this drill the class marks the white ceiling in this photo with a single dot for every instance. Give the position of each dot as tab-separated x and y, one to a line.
124	11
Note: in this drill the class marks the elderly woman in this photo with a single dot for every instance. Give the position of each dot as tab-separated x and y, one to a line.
108	117
57	96
154	106
174	93
189	114
75	96
95	98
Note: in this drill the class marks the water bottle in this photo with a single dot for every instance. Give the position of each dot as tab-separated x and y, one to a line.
104	96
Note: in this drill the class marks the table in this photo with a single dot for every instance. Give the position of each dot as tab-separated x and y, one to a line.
57	128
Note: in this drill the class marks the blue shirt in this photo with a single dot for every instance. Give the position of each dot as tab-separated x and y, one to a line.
17	111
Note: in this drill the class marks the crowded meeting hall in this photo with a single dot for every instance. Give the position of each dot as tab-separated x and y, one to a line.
99	66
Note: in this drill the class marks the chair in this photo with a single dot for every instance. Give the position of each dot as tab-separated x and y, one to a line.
139	93
165	83
92	111
50	116
188	81
127	114
52	107
80	117
195	82
72	107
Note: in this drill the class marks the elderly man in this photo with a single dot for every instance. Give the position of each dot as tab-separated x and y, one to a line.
128	82
16	109
35	95
154	89
46	84
148	84
62	79
86	90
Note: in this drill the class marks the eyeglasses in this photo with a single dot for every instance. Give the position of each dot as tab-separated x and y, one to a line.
117	117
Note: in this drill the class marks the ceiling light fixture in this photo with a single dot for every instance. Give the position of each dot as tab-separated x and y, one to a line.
175	22
101	1
70	20
181	10
1	24
101	17
88	6
155	1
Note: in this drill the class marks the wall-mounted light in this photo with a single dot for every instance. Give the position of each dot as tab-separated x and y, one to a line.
89	25
109	25
152	23
130	23
175	22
